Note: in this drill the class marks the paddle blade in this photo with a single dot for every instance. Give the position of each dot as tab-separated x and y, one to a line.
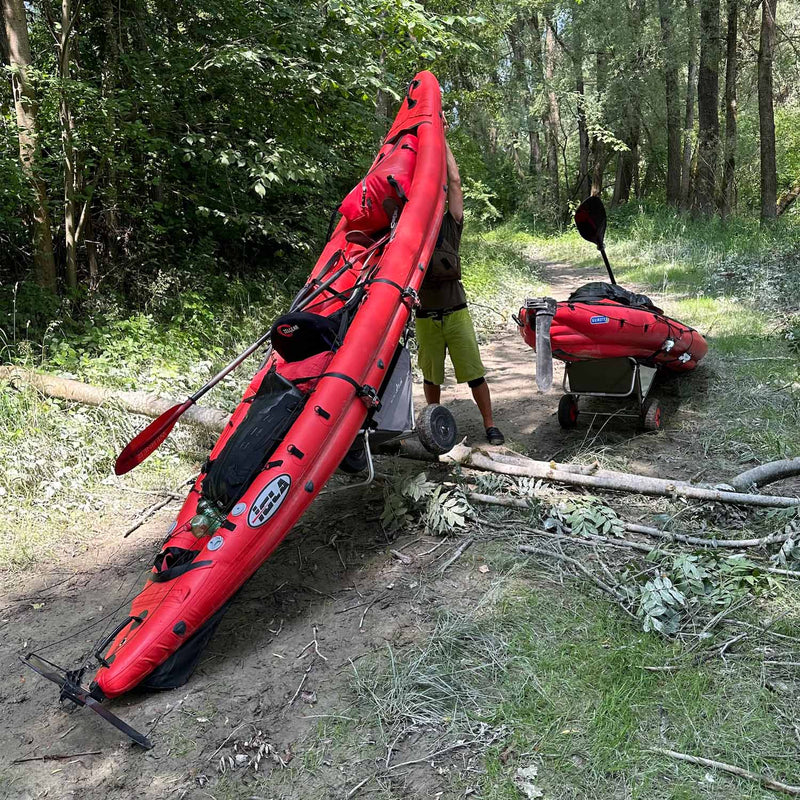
590	219
150	439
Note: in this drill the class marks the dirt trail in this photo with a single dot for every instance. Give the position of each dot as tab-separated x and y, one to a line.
341	579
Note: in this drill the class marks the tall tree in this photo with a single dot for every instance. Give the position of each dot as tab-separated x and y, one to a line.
598	146
666	10
766	112
19	57
583	183
708	108
728	192
688	120
553	113
628	160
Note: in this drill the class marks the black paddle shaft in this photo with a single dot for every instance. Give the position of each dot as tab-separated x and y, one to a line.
605	261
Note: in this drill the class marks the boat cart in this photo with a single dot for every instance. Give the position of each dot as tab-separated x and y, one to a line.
609	377
394	420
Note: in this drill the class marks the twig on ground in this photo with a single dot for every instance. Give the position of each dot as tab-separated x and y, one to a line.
458	553
302	684
402	557
146	514
540	551
227	739
303	653
432	550
764	780
369	606
763	541
56	757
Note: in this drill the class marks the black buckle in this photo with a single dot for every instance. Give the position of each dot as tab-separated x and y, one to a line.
369	394
410	293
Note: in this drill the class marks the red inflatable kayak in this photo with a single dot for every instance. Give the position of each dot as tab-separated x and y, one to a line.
602	320
302	410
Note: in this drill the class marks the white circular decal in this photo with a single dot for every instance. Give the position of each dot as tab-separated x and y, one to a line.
269	500
215	543
238	508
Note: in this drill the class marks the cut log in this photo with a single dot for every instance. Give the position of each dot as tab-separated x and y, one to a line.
609	480
148	405
766	473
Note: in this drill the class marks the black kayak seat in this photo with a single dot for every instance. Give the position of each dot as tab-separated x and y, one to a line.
300	334
598	290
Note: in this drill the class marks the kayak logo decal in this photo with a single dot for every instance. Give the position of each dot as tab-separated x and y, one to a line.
269	500
598	320
288	330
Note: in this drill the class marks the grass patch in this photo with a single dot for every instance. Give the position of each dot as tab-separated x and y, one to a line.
561	673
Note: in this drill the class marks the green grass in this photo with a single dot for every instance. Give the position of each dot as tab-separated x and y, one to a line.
560	673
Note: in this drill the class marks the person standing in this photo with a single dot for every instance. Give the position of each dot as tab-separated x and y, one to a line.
443	323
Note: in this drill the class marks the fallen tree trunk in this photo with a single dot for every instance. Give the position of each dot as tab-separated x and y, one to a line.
610	480
766	473
148	405
668	536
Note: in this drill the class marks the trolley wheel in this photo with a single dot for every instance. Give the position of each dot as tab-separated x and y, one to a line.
568	411
355	459
437	429
651	415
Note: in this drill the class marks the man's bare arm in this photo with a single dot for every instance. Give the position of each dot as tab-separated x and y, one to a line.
455	197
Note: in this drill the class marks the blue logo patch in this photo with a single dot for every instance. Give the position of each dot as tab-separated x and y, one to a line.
598	320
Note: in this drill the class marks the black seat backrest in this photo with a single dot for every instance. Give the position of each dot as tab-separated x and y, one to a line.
300	334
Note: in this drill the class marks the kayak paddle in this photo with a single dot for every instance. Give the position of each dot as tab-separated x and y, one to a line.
151	438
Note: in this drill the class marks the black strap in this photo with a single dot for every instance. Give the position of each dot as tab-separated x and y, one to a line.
391	180
411	101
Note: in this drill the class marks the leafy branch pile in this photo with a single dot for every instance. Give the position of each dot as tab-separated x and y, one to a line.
675	588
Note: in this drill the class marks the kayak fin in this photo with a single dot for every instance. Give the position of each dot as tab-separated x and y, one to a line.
71	689
545	308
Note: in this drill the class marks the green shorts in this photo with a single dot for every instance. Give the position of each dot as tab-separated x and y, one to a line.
455	334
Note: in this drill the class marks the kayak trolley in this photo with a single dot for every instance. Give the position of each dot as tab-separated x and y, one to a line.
609	378
393	420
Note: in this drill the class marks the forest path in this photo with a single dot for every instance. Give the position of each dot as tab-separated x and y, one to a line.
334	578
526	416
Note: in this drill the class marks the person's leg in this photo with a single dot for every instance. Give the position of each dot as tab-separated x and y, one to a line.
433	392
462	345
430	357
483	399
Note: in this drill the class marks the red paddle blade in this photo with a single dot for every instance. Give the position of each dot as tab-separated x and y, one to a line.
150	439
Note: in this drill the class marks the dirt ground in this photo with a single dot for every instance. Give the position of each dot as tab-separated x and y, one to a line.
339	584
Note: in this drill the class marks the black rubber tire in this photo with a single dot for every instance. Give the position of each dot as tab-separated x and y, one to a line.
437	429
568	411
652	418
355	459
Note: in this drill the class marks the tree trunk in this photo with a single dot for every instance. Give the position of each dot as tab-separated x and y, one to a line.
766	113
728	193
537	80
666	10
68	145
583	184
628	160
553	116
688	122
708	108
147	405
598	146
19	58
